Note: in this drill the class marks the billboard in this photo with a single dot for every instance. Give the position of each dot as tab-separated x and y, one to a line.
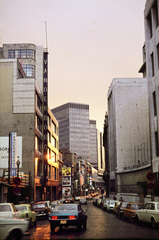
4	151
66	171
66	181
66	191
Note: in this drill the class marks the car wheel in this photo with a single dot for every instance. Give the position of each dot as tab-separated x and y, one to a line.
153	223
79	226
15	235
137	220
52	228
85	225
35	223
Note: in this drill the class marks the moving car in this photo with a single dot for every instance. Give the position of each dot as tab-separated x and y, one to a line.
83	200
68	199
41	209
119	209
130	211
13	228
77	198
149	214
26	212
9	210
65	215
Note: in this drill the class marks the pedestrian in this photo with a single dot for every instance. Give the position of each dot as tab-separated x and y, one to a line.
121	199
114	197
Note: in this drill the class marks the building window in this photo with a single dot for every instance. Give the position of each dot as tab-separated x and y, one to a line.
39	103
155	11
23	53
154	103
29	70
152	65
149	22
38	144
53	173
156	142
38	123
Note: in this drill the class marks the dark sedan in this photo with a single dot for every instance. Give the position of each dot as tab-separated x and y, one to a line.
41	209
65	215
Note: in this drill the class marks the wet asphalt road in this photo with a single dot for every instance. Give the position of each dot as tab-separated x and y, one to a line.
100	225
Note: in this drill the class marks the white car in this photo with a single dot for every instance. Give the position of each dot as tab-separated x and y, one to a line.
13	228
149	214
77	198
110	206
83	200
8	210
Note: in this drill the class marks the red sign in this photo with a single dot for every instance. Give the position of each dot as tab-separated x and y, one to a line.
16	190
151	185
150	176
16	181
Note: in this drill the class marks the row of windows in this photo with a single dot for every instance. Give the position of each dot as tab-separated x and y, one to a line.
153	14
23	53
29	70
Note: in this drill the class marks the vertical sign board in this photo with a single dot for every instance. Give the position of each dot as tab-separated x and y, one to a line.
45	113
13	165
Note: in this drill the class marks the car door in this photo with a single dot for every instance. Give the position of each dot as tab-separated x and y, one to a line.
126	211
143	215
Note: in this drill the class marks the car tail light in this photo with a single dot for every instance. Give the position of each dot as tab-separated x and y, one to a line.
26	215
72	217
53	217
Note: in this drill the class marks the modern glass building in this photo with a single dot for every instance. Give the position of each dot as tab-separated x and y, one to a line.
74	128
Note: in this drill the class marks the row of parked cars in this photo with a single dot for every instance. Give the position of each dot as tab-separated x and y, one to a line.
133	212
15	220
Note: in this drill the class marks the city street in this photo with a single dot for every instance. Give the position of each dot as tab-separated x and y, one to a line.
100	225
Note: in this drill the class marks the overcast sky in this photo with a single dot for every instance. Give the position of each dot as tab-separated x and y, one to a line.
90	42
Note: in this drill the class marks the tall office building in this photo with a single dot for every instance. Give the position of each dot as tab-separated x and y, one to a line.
93	143
74	128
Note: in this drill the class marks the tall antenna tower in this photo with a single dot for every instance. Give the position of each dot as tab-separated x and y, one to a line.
46	36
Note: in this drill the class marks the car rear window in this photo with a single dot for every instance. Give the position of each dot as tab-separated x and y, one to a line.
21	208
39	205
65	207
5	208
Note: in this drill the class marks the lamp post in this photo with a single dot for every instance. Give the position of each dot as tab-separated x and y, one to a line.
18	163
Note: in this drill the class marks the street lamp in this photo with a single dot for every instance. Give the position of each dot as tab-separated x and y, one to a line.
18	163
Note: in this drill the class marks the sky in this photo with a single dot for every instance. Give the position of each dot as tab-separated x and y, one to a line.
90	42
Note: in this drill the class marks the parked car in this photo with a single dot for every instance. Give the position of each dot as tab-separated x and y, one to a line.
65	215
26	212
53	204
83	200
68	199
130	211
119	209
89	197
105	203
110	205
95	201
41	209
148	214
13	228
99	202
9	210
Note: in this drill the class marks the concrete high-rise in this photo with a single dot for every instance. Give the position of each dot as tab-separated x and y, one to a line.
74	127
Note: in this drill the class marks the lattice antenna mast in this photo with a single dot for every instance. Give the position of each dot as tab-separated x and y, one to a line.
46	35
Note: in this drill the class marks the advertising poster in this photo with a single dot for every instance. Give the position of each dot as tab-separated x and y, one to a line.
66	181
66	191
66	171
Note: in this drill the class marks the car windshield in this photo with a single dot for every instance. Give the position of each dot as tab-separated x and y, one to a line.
136	207
65	207
5	208
21	208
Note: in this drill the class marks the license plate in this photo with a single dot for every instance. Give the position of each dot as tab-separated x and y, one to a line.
63	222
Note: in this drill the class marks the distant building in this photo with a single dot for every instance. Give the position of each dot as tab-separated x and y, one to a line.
101	156
128	137
93	144
74	128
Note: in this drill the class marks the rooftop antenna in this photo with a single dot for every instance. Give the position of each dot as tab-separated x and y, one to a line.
46	35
